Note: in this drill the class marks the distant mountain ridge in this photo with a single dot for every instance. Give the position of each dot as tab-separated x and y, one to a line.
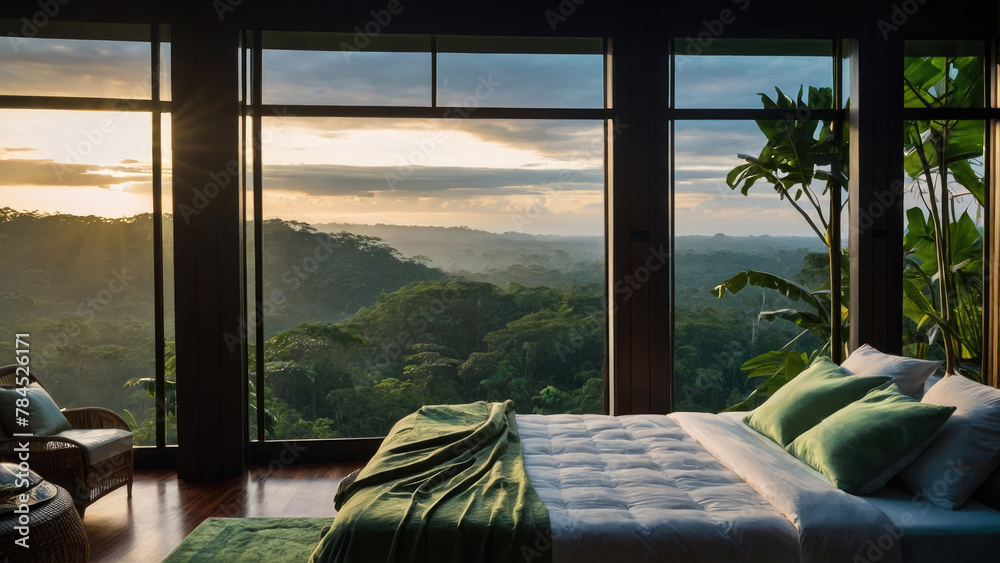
447	246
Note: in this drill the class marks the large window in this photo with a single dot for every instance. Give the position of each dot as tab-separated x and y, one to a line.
428	228
86	253
758	194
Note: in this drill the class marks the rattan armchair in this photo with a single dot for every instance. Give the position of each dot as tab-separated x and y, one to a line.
89	461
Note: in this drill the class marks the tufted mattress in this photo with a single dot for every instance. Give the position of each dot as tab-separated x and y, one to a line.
687	487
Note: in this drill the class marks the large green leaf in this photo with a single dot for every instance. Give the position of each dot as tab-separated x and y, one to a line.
817	324
966	240
964	140
764	280
779	366
915	303
964	174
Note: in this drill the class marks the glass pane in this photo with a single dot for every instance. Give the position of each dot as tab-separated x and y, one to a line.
471	80
169	332
165	90
70	67
76	242
255	317
943	74
956	199
347	78
412	262
721	234
732	74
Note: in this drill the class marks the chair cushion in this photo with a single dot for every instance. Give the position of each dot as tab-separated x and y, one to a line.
102	443
43	417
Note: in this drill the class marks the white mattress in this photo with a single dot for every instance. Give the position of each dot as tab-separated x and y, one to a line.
688	487
639	488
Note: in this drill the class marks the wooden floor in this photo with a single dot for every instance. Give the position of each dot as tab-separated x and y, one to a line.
164	509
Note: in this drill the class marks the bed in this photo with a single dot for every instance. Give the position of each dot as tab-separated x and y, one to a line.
684	487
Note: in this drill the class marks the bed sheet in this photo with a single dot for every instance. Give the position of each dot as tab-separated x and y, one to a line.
635	488
931	534
688	487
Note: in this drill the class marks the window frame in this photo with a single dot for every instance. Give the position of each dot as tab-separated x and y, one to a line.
255	109
155	34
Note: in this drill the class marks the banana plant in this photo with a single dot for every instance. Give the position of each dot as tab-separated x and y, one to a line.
799	149
802	161
943	253
814	317
921	287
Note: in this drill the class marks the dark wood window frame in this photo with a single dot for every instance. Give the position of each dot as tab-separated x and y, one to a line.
209	276
155	34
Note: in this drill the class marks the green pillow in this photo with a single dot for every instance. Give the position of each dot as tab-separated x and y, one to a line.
861	446
43	419
816	393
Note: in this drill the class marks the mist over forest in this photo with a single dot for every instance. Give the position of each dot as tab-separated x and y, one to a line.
365	323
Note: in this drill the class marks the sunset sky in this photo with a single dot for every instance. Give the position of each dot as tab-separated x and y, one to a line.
537	177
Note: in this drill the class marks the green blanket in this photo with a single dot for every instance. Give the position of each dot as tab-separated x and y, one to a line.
447	484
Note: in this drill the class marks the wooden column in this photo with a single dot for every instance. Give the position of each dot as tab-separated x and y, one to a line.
876	191
211	371
639	253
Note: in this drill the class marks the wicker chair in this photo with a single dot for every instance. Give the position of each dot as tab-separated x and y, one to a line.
89	461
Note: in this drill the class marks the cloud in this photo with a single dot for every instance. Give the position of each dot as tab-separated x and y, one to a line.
532	80
4	150
558	140
404	79
328	179
23	172
554	140
62	67
360	78
733	82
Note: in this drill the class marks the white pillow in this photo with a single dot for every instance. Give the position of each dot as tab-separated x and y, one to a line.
909	374
968	449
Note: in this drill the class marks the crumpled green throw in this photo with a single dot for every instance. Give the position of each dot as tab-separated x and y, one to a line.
447	484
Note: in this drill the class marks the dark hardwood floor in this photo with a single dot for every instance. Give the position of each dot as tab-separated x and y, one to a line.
164	509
